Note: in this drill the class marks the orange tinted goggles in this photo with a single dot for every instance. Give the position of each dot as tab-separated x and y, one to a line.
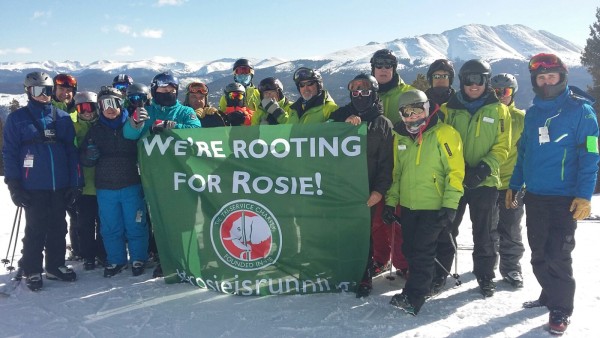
198	88
65	80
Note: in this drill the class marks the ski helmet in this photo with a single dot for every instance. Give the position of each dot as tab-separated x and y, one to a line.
123	78
366	78
107	92
162	80
84	97
65	80
472	67
505	80
271	83
37	79
138	89
384	55
412	96
86	102
548	63
307	74
234	87
243	63
440	64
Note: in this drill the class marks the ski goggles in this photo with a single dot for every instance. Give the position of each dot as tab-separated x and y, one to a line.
110	102
361	92
86	107
440	76
65	80
236	95
412	109
41	90
306	83
383	64
121	86
545	61
241	70
474	79
502	92
138	100
197	87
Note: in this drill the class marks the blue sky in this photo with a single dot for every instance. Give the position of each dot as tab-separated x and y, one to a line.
182	30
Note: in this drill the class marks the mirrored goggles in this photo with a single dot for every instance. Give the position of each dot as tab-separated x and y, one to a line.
303	73
241	70
412	109
65	80
236	95
138	100
545	61
474	79
197	87
502	92
306	83
121	86
361	92
440	76
41	90
110	102
86	107
163	83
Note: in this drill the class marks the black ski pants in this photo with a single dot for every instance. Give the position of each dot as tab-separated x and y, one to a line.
90	240
509	230
551	236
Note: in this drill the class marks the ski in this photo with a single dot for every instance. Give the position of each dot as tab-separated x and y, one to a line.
9	287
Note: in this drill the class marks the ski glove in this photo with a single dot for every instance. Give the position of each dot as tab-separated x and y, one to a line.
475	176
19	196
581	208
236	118
71	196
387	214
160	125
202	112
446	217
139	116
92	153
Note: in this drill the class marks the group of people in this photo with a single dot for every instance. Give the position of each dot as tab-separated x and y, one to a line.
429	155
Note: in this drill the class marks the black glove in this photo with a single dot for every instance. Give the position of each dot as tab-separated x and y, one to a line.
160	125
474	176
19	196
446	217
236	118
388	214
71	196
92	153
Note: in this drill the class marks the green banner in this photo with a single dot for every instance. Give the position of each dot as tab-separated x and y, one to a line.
260	210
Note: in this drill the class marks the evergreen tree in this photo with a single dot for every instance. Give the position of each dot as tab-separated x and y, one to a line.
420	82
14	105
590	58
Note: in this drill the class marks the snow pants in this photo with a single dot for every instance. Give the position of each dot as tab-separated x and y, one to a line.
509	230
381	234
123	224
45	229
91	244
551	236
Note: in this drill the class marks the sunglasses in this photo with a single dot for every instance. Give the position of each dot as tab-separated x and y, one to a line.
198	88
138	100
306	83
86	107
121	86
361	92
545	61
502	92
65	80
474	79
385	65
412	109
110	102
41	90
241	70
236	96
440	76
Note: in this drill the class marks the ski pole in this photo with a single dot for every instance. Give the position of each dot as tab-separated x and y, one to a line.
10	241
455	275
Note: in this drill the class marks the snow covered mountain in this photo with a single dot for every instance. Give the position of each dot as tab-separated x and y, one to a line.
507	47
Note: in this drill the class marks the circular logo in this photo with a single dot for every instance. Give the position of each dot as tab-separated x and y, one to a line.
246	235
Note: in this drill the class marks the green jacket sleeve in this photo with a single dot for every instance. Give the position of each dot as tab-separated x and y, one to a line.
451	150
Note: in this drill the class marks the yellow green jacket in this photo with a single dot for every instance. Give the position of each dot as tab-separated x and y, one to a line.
486	134
429	170
252	99
389	99
319	112
260	116
517	119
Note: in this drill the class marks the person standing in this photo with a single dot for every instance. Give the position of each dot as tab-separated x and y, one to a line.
509	220
557	162
314	105
273	105
484	126
43	176
243	73
427	184
440	76
196	97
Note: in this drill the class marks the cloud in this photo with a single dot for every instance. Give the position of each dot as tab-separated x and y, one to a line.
152	33
125	51
161	3
41	15
123	29
18	50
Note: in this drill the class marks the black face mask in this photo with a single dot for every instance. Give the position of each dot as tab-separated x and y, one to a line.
165	99
362	103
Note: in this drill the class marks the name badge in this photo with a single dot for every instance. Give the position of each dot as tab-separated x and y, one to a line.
49	133
402	147
28	162
488	119
544	136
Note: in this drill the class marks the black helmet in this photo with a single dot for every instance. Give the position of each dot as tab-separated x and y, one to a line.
504	80
138	89
307	74
370	79
271	83
122	78
235	87
243	62
164	79
384	55
475	67
548	63
440	64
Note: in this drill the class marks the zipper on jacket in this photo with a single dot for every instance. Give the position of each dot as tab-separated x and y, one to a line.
562	169
436	185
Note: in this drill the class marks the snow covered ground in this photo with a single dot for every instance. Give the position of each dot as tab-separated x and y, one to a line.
128	306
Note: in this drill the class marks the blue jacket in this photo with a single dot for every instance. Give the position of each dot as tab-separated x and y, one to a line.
184	116
36	162
567	164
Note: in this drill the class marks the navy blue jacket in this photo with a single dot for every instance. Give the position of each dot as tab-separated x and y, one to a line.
55	162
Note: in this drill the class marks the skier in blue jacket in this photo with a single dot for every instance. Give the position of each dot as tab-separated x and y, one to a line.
557	163
43	176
